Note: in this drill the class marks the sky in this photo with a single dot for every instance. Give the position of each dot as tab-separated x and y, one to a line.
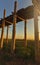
9	6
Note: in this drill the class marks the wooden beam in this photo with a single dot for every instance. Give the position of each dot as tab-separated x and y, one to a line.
3	24
14	27
9	22
20	18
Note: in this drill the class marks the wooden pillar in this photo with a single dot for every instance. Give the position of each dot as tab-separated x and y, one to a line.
25	41
7	34
3	24
36	32
14	27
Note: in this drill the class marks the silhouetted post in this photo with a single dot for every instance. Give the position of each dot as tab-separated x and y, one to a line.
36	30
14	27
36	33
7	34
25	41
3	24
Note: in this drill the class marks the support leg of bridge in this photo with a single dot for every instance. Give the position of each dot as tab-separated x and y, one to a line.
14	28
36	33
7	34
25	38
3	24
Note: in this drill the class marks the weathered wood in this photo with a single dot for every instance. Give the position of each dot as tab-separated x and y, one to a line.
20	18
7	34
3	24
9	22
25	41
14	27
36	33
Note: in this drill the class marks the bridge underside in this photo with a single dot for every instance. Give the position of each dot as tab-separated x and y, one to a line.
22	14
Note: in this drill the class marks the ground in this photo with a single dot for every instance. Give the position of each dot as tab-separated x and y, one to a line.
13	59
21	56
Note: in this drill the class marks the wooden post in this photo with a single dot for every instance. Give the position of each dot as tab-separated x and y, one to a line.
3	24
36	32
7	34
25	41
14	27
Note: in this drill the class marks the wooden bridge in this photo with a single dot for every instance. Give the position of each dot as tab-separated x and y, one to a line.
23	14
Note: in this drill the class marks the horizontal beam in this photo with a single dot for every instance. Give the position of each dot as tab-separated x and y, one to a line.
9	22
20	18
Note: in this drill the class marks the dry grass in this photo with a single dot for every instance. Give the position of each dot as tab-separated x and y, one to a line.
22	56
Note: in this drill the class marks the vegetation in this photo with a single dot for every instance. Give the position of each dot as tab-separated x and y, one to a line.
21	52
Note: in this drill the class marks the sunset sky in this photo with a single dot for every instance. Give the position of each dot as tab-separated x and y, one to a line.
9	6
